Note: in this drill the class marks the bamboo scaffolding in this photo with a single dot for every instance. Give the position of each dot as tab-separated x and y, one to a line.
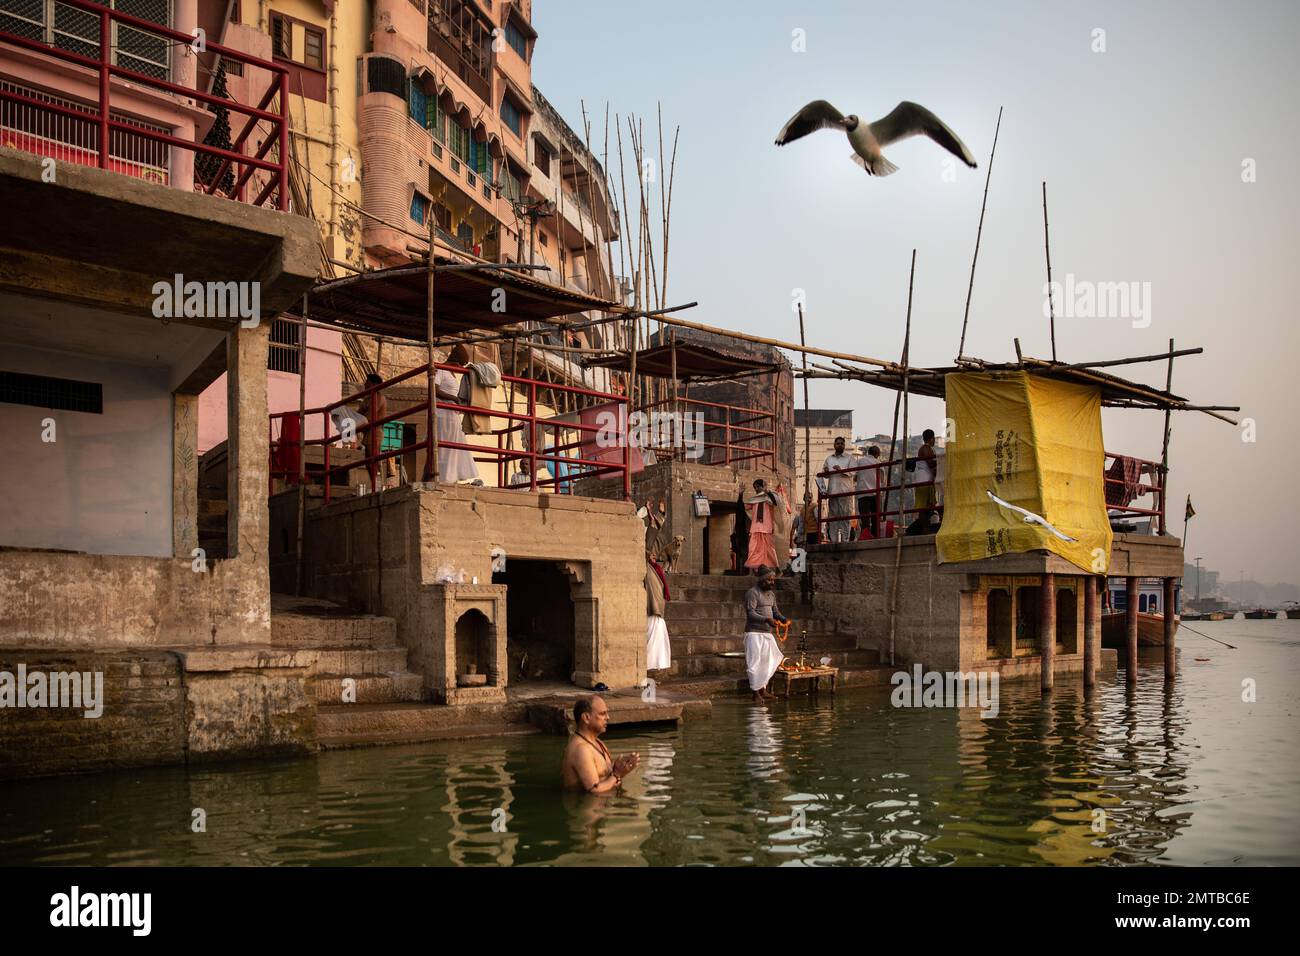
1047	246
988	176
902	475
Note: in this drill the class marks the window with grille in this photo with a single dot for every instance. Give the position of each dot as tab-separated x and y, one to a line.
77	31
282	352
42	391
542	159
384	75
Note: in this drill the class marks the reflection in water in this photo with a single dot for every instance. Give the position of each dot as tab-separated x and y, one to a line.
1184	774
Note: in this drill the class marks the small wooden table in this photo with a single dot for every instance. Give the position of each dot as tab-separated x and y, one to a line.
813	677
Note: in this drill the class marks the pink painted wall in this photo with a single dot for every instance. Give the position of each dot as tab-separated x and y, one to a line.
185	119
324	384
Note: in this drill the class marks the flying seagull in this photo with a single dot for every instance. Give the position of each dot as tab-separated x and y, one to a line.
867	139
1031	518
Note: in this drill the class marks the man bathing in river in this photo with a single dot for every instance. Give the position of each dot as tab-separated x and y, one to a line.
588	764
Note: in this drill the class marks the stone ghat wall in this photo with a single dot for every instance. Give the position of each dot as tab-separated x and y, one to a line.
852	584
382	554
55	599
143	720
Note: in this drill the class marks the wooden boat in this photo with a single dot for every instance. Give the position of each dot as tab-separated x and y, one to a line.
1151	629
1217	616
1261	614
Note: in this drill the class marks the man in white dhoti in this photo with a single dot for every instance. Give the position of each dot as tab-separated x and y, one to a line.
454	464
658	648
762	653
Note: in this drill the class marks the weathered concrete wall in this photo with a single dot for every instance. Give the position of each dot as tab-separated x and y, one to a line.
160	707
942	614
103	484
50	599
247	703
852	583
143	719
381	553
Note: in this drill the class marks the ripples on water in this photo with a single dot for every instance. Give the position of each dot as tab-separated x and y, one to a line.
1191	775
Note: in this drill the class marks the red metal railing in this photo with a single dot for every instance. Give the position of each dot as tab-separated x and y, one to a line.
1124	484
1120	492
585	463
99	114
740	440
880	517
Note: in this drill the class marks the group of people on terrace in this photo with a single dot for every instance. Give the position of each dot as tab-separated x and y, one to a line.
853	487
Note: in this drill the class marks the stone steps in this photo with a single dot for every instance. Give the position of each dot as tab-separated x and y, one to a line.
332	629
463	732
555	714
340	725
685	644
729	685
358	661
709	664
369	688
815	628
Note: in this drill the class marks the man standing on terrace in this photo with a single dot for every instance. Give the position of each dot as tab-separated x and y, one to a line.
838	482
868	486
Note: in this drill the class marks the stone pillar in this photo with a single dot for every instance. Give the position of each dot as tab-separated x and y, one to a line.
1131	629
185	475
1047	628
1170	628
248	443
1091	630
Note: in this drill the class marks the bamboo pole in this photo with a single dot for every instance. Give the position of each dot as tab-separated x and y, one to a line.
898	532
1047	246
807	424
961	348
763	340
302	442
1164	449
431	419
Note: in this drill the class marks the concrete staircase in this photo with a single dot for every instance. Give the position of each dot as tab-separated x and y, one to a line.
389	702
706	625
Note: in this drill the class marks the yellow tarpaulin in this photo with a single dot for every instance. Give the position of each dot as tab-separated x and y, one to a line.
1034	443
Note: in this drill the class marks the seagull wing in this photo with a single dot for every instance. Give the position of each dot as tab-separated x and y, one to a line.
818	114
1030	517
912	119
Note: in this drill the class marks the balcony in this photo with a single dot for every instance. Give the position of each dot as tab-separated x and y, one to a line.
92	85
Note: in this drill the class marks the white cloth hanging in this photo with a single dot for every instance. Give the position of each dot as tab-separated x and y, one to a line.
658	649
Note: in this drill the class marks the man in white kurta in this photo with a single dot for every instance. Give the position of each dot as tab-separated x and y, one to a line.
454	464
762	653
839	481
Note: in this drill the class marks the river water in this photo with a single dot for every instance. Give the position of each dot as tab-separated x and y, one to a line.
1189	776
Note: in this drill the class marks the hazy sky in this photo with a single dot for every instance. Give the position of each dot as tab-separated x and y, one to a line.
1142	147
